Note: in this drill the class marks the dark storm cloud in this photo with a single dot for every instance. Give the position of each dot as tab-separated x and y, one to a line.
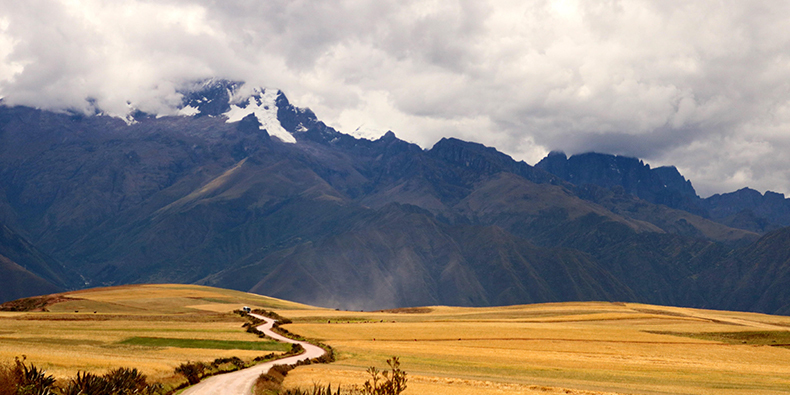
702	85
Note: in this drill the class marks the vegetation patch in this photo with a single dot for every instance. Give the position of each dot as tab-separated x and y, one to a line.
755	338
23	379
205	343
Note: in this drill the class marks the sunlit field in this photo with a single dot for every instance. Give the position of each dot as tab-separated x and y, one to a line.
151	327
564	348
557	348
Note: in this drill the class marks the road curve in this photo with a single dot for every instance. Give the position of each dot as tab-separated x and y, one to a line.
240	382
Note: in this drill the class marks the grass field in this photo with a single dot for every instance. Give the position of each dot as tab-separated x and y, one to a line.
150	327
565	348
584	348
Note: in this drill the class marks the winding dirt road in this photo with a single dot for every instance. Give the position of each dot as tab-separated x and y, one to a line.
241	382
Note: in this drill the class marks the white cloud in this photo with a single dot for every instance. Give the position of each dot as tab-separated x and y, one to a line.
701	84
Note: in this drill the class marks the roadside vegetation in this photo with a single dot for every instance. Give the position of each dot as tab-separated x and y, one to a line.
195	371
21	378
380	382
254	322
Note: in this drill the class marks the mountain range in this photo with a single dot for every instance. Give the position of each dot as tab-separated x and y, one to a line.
243	190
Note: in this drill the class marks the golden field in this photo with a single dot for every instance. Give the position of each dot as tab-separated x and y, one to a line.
564	348
583	348
85	334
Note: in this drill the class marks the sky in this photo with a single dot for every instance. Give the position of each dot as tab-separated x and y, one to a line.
703	85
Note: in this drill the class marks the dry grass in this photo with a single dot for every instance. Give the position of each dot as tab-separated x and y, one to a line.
564	348
87	333
553	348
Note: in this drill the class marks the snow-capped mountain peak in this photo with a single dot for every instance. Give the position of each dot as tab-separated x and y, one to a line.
235	101
263	104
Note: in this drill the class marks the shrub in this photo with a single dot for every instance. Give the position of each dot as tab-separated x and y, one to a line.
296	349
193	371
393	382
264	358
121	381
235	361
125	381
31	380
23	379
328	357
271	381
281	370
88	383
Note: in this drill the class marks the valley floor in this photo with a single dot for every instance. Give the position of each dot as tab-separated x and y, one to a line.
563	348
580	348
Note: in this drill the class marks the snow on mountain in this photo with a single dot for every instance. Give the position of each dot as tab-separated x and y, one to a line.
263	104
235	100
188	111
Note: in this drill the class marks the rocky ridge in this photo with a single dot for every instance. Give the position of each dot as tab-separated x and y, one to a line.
246	191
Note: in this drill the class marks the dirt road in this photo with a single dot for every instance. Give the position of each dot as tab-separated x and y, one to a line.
240	382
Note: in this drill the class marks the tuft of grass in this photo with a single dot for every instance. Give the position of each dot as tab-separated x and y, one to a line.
208	344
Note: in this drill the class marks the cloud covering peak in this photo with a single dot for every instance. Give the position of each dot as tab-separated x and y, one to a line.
702	85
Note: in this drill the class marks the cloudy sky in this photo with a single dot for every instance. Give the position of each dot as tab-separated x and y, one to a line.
701	84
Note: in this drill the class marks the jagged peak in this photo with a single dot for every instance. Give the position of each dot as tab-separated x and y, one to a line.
236	100
607	170
388	136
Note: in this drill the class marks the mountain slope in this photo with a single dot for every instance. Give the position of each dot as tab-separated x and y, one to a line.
246	191
25	271
749	209
17	282
754	278
402	256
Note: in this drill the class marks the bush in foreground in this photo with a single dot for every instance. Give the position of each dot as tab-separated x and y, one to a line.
391	382
23	379
121	381
192	371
